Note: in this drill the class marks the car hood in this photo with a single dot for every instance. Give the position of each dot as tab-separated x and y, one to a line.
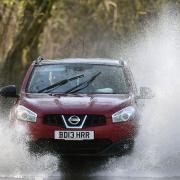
72	104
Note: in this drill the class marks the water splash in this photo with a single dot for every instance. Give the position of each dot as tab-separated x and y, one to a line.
16	160
155	63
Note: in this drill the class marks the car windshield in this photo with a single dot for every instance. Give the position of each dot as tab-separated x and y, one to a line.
108	79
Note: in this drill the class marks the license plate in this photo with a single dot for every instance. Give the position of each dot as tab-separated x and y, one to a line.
74	135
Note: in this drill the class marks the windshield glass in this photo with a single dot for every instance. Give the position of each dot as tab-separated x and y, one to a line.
111	79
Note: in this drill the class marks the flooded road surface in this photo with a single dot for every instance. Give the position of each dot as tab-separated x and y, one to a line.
81	166
154	58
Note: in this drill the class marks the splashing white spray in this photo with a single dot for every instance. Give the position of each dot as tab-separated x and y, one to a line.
16	160
155	63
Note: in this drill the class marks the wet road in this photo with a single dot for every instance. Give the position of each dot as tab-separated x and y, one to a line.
97	168
81	166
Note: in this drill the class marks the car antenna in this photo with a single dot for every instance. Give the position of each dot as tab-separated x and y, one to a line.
39	59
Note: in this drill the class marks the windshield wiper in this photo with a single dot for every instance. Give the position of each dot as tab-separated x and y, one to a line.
60	83
74	89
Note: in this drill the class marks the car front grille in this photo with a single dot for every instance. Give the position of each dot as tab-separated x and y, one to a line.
90	121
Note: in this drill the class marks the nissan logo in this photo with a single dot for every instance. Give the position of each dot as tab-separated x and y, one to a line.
74	120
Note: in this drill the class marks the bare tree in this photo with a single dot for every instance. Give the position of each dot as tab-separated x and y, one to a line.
25	44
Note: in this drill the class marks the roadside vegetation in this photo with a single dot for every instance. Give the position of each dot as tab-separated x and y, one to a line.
67	28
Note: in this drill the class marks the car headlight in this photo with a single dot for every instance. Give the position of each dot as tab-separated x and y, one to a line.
25	114
124	115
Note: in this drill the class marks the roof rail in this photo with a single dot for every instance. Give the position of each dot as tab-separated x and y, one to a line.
122	62
39	59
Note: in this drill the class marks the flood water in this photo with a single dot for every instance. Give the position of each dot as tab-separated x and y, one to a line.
154	59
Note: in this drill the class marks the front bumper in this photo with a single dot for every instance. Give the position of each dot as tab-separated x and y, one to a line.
110	131
109	139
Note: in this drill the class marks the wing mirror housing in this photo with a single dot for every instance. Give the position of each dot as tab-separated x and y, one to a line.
145	93
9	91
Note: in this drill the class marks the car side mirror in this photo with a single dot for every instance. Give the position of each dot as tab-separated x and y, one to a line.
8	91
145	93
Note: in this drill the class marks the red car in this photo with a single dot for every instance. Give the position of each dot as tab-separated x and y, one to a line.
78	106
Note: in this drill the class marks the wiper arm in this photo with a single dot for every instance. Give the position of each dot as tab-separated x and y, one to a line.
74	89
60	83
